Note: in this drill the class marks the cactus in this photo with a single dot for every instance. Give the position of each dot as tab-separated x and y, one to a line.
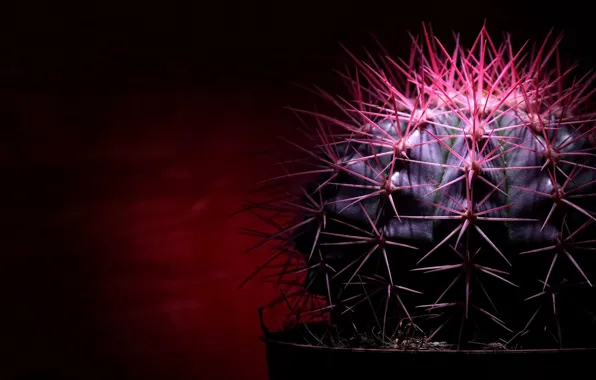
448	200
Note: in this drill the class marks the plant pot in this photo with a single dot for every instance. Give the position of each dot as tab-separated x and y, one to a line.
287	361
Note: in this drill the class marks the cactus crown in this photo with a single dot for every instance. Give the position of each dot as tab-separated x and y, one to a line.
449	199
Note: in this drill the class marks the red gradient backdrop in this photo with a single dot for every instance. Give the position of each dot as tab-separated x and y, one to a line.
137	261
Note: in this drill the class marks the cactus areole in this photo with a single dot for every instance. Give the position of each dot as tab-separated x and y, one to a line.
447	206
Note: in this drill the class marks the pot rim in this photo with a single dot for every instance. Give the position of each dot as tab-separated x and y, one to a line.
270	340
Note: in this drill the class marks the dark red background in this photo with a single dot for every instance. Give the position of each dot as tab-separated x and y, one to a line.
130	131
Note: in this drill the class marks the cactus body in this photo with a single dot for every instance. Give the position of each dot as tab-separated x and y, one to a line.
453	187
